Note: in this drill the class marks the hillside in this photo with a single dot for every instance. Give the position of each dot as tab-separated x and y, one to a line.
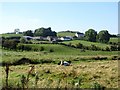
66	33
86	43
11	35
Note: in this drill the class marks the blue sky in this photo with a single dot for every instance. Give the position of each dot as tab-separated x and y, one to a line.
60	16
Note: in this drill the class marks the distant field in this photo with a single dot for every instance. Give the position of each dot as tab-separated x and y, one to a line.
60	53
10	35
65	34
113	40
86	43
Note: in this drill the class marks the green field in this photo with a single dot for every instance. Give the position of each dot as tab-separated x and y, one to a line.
87	69
62	34
84	69
113	40
59	52
86	43
10	35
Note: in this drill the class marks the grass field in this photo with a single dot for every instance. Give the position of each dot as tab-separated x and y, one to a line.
62	34
85	70
113	40
86	43
10	35
59	53
51	75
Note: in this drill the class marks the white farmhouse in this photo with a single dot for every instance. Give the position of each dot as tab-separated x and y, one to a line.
65	38
79	35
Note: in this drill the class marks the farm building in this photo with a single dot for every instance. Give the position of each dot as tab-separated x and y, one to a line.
79	35
66	38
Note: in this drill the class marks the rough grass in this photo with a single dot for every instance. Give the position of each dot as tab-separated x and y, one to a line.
51	76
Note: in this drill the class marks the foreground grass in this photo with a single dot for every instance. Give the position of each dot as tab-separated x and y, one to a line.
105	73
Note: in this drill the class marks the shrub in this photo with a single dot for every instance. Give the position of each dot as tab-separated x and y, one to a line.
107	48
97	86
22	40
94	48
42	49
51	50
79	45
10	44
113	48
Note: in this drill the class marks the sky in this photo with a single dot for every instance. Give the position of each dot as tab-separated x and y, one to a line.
60	16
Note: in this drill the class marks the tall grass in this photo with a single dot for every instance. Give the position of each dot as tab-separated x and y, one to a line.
81	75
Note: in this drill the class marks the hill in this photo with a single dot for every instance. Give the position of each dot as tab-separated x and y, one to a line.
87	43
66	33
11	35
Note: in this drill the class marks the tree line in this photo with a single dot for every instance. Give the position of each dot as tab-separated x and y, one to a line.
40	32
91	35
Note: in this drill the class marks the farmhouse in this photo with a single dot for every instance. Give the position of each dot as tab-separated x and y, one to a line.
37	38
27	37
79	35
66	38
51	38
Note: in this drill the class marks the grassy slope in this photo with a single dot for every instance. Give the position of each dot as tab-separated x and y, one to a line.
60	52
86	43
10	35
113	40
65	34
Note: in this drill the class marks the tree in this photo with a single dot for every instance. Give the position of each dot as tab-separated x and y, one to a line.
9	44
28	33
90	35
17	30
22	40
44	32
103	36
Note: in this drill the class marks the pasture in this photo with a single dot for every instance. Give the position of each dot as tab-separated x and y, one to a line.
62	34
60	52
114	40
88	70
86	43
10	35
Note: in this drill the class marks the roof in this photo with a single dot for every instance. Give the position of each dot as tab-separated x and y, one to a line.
79	33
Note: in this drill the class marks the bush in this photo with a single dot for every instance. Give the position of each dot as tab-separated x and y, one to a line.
24	47
107	48
42	49
97	86
51	50
10	44
113	48
79	45
94	48
22	40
